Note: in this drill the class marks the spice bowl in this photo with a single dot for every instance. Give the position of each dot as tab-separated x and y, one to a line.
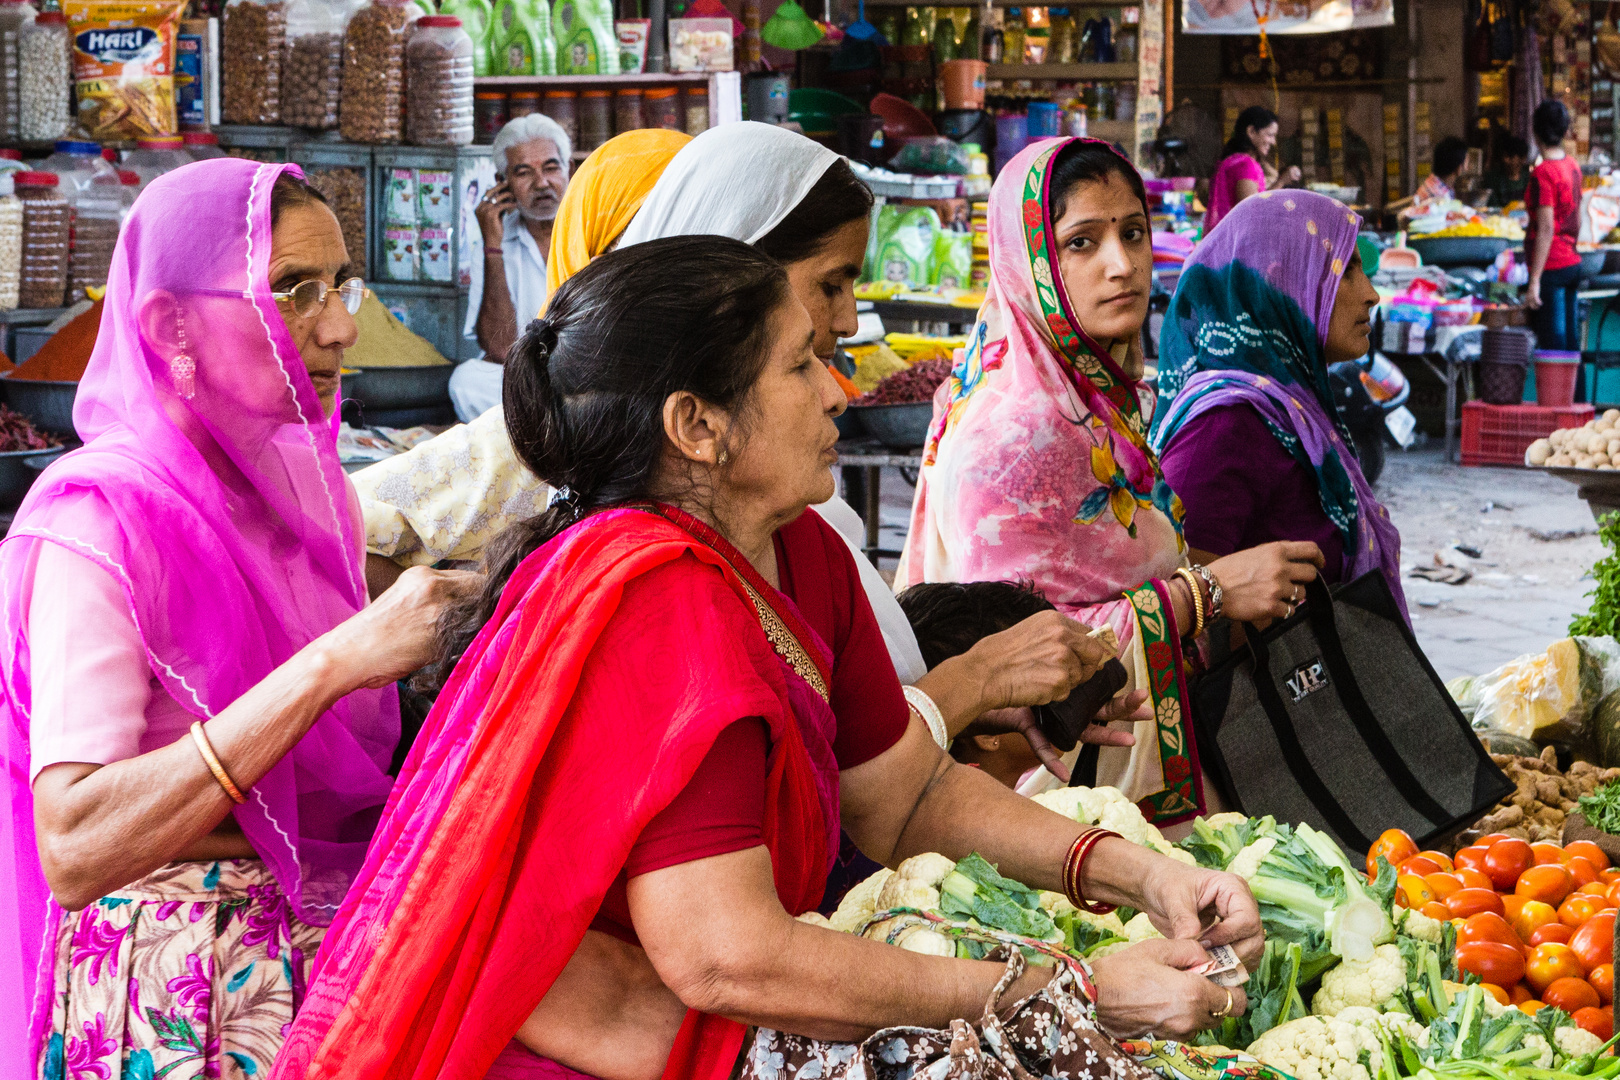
899	427
18	471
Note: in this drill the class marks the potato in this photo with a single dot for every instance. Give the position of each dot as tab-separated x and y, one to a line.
1539	452
1599	458
1560	461
1612	416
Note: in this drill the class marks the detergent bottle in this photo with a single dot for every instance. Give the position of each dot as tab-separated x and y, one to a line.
477	17
586	42
520	41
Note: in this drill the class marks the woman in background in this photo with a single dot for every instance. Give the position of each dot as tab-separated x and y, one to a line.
1553	200
1241	172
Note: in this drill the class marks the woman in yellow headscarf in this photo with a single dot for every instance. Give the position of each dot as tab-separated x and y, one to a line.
414	514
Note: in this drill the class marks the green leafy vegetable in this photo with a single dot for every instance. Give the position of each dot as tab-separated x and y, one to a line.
1274	998
1310	894
975	890
1603	619
1602	808
1084	938
1216	848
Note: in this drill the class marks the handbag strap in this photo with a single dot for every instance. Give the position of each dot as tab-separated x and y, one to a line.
1319	610
1282	726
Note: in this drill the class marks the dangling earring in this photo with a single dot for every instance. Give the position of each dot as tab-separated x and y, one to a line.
724	457
182	368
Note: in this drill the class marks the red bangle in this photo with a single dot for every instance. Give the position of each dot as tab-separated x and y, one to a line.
1074	868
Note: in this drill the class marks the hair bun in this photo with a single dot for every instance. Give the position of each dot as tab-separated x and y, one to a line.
545	334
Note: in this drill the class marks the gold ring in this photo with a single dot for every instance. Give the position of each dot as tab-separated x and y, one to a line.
1227	1010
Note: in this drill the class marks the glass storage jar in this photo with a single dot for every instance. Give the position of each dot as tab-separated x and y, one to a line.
44	60
660	108
489	115
312	67
595	119
251	42
372	101
14	15
562	106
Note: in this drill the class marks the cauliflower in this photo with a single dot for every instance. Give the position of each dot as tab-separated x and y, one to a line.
1574	1042
916	883
859	903
1546	1058
1109	808
1330	1047
1248	861
815	918
1415	924
1371	983
1141	928
1221	821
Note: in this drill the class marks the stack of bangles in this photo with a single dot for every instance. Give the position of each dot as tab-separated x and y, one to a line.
1207	598
1074	868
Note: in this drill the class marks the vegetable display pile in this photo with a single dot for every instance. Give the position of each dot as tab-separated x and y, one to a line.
916	383
1543	797
1595	445
16	433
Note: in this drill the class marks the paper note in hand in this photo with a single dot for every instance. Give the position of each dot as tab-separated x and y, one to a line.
1224	967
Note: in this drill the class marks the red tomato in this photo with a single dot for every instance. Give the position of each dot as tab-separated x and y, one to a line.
1593	940
1578	908
1471	858
1547	883
1613	895
1549	963
1393	845
1506	860
1519	993
1434	909
1491	838
1532	917
1475	879
1548	853
1582	871
1487	926
1440	859
1609	876
1443	884
1466	902
1602	980
1589	851
1554	933
1570	995
1512	905
1599	1022
1414	890
1495	963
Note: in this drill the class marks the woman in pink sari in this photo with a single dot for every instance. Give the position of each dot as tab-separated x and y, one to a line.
1037	467
197	711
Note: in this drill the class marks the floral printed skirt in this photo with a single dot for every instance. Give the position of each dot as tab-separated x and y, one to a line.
195	971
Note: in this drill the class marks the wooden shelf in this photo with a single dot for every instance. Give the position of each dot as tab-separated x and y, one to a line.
1087	4
1122	72
560	82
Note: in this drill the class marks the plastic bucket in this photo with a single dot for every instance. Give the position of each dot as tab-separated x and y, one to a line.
963	83
1555	378
1501	382
860	136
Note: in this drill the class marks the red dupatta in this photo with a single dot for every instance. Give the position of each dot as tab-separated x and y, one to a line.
521	800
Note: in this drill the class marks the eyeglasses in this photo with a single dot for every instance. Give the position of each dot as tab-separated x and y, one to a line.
308	298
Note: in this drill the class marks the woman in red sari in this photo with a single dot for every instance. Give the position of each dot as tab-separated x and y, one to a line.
657	724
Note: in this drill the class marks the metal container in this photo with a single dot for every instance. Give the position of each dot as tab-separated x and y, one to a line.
18	471
48	405
899	427
398	387
848	423
1459	250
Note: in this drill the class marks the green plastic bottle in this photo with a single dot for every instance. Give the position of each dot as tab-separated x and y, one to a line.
520	41
476	18
586	43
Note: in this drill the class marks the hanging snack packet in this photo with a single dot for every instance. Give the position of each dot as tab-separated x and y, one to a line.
123	63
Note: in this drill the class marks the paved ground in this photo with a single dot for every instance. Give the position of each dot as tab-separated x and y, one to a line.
1536	539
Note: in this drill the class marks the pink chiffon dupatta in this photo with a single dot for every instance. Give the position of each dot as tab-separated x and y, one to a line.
224	515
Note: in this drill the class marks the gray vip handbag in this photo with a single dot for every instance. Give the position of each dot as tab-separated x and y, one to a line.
1334	716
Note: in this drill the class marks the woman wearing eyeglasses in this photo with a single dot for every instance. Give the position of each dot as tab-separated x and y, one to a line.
194	693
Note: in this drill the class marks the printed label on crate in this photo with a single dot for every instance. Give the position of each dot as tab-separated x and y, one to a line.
399	253
435	197
399	196
434	248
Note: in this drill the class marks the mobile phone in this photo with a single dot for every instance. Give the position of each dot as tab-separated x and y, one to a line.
1062	722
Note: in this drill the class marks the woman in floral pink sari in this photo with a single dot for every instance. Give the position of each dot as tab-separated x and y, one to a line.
1037	467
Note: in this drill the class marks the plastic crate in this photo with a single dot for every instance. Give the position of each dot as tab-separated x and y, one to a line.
1500	434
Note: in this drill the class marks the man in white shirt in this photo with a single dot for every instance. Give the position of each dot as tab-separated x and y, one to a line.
509	284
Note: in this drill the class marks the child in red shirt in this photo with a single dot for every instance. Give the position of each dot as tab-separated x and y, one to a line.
1553	199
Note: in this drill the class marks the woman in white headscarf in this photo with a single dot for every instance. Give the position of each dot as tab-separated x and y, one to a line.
799	203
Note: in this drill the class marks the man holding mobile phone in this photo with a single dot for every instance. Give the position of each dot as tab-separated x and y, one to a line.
531	157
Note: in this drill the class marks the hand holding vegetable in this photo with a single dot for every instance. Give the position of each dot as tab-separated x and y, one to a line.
1152	987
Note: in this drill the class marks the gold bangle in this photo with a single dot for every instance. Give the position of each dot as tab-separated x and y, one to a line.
211	759
1197	599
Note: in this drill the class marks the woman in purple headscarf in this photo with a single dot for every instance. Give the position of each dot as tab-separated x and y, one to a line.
196	705
1245	426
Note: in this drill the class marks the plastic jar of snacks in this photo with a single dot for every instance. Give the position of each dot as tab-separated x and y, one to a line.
660	108
11	228
563	107
14	15
251	42
202	145
42	281
439	83
595	119
44	59
312	67
372	105
155	155
626	110
697	110
489	115
522	103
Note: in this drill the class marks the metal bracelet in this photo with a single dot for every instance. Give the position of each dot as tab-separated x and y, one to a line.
924	707
1216	596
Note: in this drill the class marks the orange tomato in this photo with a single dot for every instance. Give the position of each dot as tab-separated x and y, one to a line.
1519	993
1471	858
1414	890
1548	853
1582	871
1393	845
1495	963
1554	932
1466	902
1498	992
1596	888
1434	909
1578	908
1532	917
1491	838
1546	882
1440	859
1512	904
1585	849
1614	894
1487	926
1531	1007
1549	963
1506	860
1610	876
1420	866
1570	994
1602	980
1593	940
1475	879
1599	1022
1443	884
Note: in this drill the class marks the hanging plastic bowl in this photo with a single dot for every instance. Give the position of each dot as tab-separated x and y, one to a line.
901	119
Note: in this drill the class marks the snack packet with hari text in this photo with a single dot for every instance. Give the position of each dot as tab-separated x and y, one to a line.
123	64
